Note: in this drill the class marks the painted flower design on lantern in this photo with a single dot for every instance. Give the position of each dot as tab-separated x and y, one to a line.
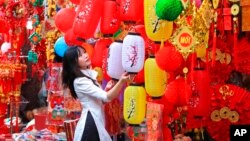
126	6
84	12
132	55
131	109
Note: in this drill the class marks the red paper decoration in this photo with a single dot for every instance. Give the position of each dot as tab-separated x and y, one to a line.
88	15
110	21
64	19
76	1
169	59
99	50
131	11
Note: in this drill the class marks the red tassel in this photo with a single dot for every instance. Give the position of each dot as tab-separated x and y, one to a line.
214	48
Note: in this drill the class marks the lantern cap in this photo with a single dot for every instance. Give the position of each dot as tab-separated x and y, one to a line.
151	56
156	97
136	84
129	22
133	33
114	79
107	35
80	39
134	125
119	41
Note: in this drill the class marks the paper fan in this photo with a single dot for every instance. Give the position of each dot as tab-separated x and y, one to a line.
242	56
230	105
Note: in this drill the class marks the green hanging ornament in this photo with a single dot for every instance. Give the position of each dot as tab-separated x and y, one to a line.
168	9
36	2
35	20
30	56
35	38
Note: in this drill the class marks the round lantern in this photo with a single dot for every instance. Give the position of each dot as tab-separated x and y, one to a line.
5	47
115	69
133	53
168	9
87	17
200	99
134	106
64	19
156	29
110	23
155	78
131	10
100	46
169	59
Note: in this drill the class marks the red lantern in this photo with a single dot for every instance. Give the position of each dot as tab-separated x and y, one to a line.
115	69
139	78
99	49
133	53
87	17
76	1
110	21
71	38
64	19
105	64
168	58
131	11
178	92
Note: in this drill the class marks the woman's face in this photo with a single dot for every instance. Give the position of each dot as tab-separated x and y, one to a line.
84	61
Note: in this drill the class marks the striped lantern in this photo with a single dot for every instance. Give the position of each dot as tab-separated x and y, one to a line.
110	21
131	10
115	69
87	17
100	46
155	78
156	29
133	53
134	106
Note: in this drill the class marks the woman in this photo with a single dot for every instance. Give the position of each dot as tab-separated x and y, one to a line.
81	80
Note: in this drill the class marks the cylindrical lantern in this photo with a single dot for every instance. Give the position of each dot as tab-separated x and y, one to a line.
156	29
110	21
115	69
155	78
100	46
134	106
133	53
87	17
131	10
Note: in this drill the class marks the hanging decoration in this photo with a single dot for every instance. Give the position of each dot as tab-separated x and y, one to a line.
155	78
156	29
35	38
110	21
168	9
131	11
115	69
87	17
133	53
134	106
245	8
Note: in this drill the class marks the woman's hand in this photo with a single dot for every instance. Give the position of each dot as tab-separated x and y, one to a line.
126	77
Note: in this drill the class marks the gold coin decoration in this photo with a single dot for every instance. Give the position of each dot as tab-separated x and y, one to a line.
224	112
215	115
234	116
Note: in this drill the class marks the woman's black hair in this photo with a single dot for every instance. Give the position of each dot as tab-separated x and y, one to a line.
71	69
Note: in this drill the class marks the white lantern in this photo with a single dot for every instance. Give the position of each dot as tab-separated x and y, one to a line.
133	53
5	47
115	69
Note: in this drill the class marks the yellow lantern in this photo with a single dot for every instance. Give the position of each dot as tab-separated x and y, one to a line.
155	78
134	106
156	29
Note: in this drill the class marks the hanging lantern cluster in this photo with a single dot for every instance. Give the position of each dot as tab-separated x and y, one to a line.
133	53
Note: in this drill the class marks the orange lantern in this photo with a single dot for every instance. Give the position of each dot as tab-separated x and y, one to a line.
155	78
134	106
